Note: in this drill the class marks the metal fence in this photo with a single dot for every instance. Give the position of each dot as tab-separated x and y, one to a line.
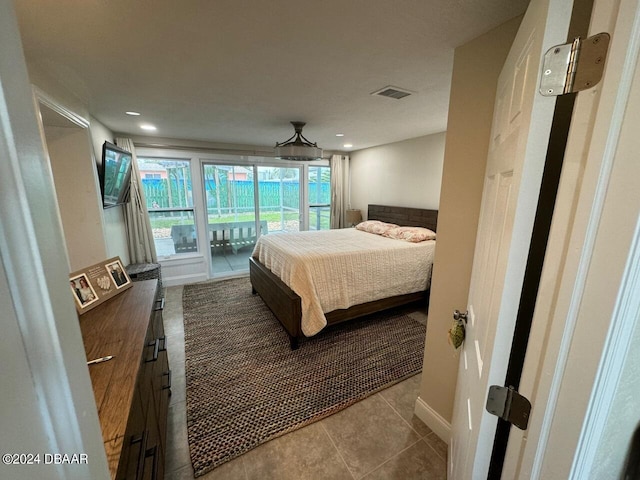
232	196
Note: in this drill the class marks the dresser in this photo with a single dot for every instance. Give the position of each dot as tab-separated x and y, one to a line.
132	389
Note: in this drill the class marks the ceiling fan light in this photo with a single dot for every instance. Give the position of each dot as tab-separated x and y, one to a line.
297	147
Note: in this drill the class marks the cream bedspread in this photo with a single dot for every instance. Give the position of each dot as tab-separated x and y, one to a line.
337	269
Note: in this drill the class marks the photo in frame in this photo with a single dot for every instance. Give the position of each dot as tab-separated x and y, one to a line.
85	295
98	283
118	274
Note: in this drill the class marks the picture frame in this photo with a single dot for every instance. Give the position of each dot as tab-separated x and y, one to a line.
98	283
118	274
84	293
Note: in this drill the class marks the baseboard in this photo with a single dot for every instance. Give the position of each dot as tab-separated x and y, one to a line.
183	269
183	279
433	420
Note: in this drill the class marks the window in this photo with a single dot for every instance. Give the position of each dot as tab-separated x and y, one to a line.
279	197
169	195
319	188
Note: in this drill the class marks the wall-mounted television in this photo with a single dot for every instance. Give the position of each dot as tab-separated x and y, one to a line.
115	174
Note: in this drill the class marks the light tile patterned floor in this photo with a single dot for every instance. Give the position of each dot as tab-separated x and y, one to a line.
377	438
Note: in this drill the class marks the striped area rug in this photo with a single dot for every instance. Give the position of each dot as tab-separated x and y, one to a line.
245	386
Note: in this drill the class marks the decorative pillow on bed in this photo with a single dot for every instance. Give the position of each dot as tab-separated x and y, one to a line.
411	234
375	226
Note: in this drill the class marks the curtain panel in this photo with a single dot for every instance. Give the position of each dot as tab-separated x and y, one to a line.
339	180
142	248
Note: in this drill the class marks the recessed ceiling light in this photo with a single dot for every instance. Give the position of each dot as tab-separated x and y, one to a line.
347	145
146	126
135	114
339	134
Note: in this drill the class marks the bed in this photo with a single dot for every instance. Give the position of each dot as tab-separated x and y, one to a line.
322	302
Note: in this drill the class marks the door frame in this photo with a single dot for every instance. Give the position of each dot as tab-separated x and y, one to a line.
545	24
558	371
549	187
61	405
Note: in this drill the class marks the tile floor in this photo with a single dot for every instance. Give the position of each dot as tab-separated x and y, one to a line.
377	438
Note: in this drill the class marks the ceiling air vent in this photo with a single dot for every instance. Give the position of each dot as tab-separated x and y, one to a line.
392	92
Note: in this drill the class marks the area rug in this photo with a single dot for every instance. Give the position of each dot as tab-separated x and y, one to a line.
245	386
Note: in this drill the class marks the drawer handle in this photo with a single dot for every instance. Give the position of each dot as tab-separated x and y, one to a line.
153	452
137	439
167	374
163	339
156	346
161	307
142	440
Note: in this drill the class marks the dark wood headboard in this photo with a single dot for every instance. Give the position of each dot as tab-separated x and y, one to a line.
405	216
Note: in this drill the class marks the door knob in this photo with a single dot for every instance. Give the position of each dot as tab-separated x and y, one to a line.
459	316
457	332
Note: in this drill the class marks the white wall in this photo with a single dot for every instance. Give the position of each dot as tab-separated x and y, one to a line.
406	174
74	175
475	71
114	229
69	95
112	234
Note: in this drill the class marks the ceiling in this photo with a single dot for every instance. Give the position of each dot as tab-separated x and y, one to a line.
238	71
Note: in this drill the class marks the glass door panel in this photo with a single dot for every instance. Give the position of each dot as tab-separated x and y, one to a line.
279	198
231	216
319	188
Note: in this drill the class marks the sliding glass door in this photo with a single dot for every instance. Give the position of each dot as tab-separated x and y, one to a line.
245	201
231	215
240	199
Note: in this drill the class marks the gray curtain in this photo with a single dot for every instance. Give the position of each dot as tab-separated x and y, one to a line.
139	234
339	180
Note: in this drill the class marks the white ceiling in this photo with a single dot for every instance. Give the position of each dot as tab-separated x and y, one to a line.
237	71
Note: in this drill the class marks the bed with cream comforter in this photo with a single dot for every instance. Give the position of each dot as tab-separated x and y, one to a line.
337	269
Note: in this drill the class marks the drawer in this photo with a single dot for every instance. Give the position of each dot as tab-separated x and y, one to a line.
134	442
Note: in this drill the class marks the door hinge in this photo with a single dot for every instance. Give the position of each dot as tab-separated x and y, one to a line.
509	405
574	66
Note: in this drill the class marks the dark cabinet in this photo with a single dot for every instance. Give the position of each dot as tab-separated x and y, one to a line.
132	390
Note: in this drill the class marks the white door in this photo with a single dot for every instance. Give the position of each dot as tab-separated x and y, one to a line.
520	132
584	316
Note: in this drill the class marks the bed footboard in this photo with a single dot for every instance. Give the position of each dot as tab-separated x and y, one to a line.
286	305
283	302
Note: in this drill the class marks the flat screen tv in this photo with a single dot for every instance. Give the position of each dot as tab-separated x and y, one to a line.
115	174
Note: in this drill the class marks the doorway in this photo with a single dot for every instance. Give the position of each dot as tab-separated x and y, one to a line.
68	145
